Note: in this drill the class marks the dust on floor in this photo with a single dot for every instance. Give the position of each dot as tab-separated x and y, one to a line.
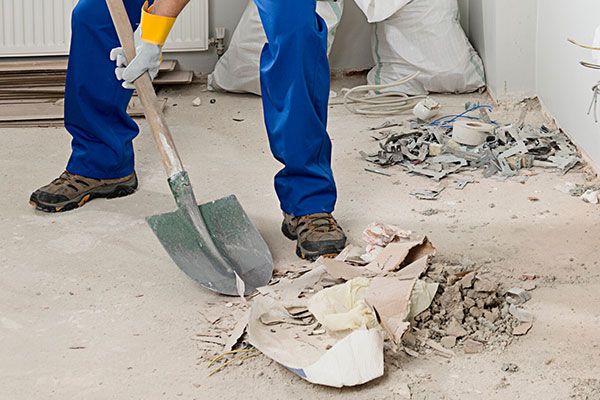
91	306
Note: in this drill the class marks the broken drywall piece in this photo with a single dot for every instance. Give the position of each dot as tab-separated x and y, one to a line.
237	332
290	289
422	296
414	270
371	254
342	308
341	270
397	255
522	329
378	234
352	254
390	297
354	360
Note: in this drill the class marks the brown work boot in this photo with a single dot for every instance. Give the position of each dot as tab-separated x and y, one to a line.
317	235
70	191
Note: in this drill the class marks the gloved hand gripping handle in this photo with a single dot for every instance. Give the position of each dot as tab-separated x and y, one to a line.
160	130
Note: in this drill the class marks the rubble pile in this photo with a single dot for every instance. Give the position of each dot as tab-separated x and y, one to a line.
430	148
330	323
472	310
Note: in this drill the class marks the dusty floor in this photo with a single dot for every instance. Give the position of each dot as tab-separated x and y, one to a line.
92	307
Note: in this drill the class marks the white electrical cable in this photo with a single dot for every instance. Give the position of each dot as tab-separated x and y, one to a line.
380	103
584	46
594	105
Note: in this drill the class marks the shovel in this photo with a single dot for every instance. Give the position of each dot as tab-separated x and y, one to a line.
215	244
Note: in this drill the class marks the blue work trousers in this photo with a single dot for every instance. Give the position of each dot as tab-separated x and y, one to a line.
295	87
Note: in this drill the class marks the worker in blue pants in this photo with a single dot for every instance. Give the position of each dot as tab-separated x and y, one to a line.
295	88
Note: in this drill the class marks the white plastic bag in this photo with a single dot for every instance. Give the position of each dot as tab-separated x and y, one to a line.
426	36
239	69
379	10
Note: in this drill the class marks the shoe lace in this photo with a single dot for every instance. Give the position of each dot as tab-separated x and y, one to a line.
318	222
64	178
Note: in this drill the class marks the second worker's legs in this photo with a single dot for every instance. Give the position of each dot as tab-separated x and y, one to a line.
295	89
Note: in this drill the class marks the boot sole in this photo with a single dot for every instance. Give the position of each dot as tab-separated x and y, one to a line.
108	192
310	255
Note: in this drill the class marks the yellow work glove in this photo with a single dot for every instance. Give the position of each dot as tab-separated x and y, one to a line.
149	40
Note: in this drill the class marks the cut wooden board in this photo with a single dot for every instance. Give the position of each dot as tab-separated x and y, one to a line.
34	113
34	90
19	67
174	78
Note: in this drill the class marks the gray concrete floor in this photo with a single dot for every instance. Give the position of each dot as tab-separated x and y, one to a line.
92	307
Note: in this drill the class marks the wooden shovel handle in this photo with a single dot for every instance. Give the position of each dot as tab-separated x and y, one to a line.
160	130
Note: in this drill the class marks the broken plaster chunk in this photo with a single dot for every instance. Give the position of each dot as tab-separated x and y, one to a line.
197	102
468	280
448	342
485	286
473	347
378	234
455	329
517	296
521	314
522	329
476	312
591	196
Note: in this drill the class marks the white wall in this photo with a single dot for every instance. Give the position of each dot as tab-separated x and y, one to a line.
222	13
504	33
564	87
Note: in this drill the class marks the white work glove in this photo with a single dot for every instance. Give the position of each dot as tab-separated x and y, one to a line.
148	58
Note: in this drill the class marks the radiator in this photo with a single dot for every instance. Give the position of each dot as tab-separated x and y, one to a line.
42	27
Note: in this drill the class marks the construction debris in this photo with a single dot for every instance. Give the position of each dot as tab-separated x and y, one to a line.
470	307
426	109
454	144
589	193
328	323
428	194
332	333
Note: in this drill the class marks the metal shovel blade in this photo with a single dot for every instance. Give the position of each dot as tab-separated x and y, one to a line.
238	249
